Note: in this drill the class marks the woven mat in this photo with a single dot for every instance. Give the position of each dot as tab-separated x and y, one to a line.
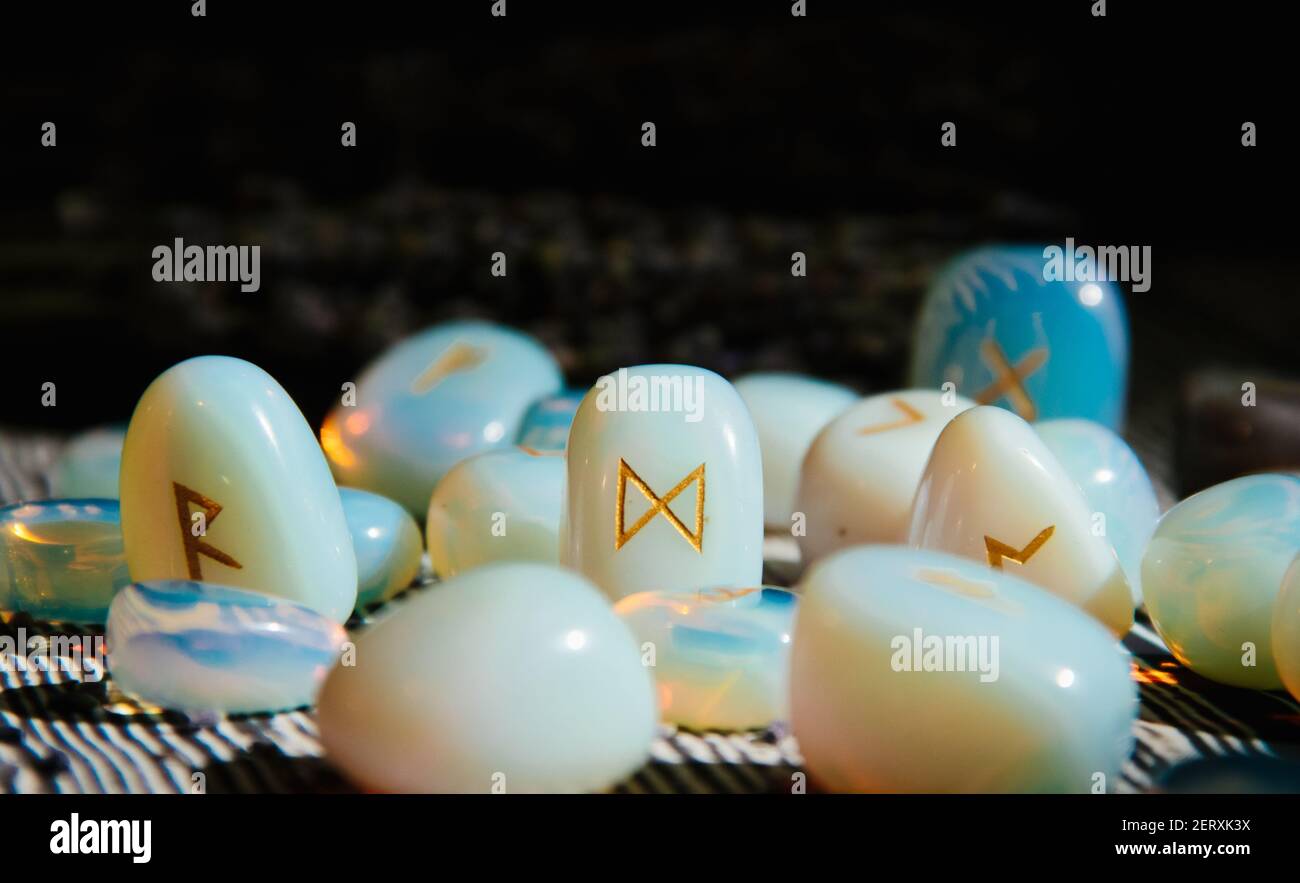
62	733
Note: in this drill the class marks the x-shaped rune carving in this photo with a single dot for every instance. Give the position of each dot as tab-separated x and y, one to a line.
659	506
910	416
1009	380
195	546
998	550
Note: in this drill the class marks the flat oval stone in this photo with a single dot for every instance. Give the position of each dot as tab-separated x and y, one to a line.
721	657
497	506
432	400
61	560
88	466
994	493
1212	574
1115	484
203	647
386	541
223	482
665	484
993	326
861	472
788	410
515	678
917	671
547	421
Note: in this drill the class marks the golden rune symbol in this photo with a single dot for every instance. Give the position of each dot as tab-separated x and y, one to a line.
659	506
998	550
195	546
910	416
1009	380
460	356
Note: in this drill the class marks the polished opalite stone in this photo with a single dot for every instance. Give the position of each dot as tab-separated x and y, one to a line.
386	541
720	657
861	472
432	400
1115	484
788	410
1286	629
668	494
223	482
89	464
1212	573
61	559
923	672
994	493
509	678
204	647
1003	335
497	506
547	421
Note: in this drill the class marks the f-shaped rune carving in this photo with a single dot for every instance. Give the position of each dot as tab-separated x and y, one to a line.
910	416
998	550
195	546
659	506
1009	380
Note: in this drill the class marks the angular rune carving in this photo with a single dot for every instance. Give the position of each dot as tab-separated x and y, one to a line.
195	546
659	506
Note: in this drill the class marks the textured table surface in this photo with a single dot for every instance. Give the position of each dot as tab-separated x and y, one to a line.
65	733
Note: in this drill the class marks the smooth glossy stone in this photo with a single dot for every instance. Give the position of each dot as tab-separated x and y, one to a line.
204	647
1212	575
664	499
497	506
386	541
61	560
510	677
994	493
89	464
451	391
994	327
721	656
1115	484
875	708
788	410
547	421
861	472
1286	629
218	437
1220	437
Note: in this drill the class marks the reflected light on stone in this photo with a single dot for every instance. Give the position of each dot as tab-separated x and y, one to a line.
494	432
576	639
1090	295
332	443
1064	678
358	423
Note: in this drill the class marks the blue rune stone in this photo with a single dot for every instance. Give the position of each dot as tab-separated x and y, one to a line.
995	327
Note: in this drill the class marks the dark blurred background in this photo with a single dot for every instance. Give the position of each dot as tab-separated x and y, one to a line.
775	134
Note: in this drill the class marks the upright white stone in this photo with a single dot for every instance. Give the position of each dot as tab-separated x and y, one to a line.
665	484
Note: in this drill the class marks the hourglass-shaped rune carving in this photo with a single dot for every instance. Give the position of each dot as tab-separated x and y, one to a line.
195	545
659	506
